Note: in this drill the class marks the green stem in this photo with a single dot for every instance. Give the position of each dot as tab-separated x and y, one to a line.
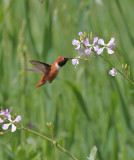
112	66
50	140
85	59
117	69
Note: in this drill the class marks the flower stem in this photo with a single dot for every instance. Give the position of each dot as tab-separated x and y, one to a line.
29	130
117	69
85	59
58	146
112	66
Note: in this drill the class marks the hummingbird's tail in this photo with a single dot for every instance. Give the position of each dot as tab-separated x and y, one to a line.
40	84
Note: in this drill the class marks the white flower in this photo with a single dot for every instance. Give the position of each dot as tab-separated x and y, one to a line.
113	72
1	120
13	128
109	46
75	62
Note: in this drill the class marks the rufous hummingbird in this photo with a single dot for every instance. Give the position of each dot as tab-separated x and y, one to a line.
49	71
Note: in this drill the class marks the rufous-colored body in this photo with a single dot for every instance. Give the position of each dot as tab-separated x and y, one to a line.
49	71
48	78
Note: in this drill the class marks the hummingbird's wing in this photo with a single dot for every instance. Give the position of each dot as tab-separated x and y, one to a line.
43	67
35	70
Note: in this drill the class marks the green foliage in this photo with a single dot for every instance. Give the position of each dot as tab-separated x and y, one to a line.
92	153
87	107
24	151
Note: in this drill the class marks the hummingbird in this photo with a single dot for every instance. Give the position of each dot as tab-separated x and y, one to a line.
49	71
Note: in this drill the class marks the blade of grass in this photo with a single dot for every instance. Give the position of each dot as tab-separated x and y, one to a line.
79	99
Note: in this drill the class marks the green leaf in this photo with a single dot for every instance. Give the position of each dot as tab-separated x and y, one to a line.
80	99
61	142
93	152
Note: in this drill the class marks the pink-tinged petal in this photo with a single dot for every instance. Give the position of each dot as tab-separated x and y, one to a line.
80	53
88	51
1	120
113	72
86	42
96	48
78	47
112	45
8	116
80	33
17	119
5	126
79	50
13	128
95	40
75	42
75	62
111	41
11	109
100	50
110	51
101	41
4	112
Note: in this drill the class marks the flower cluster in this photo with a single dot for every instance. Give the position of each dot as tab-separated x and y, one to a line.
97	46
7	120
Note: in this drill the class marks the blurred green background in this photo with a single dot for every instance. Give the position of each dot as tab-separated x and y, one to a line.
86	105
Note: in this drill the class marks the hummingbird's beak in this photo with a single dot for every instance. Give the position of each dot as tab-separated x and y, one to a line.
70	58
75	58
66	59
